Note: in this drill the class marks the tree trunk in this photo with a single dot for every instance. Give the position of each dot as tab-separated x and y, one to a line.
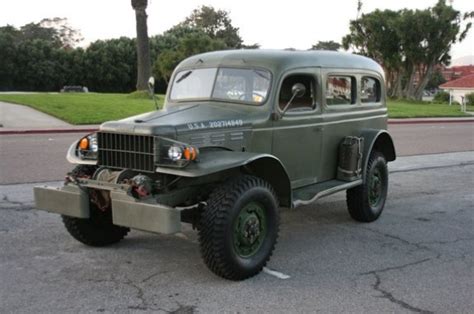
143	48
398	92
409	89
423	82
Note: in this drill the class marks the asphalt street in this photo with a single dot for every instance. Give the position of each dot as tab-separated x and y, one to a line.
41	157
418	257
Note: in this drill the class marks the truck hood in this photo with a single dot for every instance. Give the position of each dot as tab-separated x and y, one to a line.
177	119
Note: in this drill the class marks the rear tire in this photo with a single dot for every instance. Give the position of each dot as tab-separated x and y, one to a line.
366	202
239	228
97	230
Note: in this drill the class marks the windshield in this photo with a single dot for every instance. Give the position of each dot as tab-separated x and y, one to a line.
245	85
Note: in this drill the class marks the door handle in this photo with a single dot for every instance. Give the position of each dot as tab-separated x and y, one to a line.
318	128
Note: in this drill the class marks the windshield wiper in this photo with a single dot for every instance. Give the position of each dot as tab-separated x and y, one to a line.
184	76
259	73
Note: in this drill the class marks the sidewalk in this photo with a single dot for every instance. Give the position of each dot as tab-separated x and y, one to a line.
19	119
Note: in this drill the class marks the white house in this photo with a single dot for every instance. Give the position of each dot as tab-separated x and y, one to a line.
459	88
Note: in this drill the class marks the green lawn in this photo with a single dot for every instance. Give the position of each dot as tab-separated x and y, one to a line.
95	108
404	109
90	108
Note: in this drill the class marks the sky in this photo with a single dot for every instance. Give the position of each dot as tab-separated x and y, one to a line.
272	24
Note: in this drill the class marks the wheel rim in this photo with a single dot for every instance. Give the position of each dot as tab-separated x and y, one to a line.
250	229
375	188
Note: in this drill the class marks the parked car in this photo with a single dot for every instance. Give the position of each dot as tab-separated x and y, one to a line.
242	133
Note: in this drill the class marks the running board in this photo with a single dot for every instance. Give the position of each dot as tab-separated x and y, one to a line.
309	194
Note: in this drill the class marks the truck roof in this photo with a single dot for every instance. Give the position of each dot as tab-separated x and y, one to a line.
280	60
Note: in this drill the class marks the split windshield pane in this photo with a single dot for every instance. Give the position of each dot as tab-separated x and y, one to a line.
231	84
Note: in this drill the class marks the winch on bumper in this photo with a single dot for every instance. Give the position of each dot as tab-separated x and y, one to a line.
73	200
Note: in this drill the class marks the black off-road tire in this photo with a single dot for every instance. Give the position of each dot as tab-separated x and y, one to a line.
360	202
97	230
223	216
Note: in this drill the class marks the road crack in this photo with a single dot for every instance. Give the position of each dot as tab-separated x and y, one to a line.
377	286
143	303
5	199
377	271
417	245
389	296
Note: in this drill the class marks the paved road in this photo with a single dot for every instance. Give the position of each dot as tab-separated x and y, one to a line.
415	139
41	157
418	257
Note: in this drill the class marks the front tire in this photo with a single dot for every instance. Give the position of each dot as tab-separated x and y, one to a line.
98	230
239	228
366	202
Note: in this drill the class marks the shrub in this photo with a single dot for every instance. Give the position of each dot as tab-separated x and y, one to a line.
470	99
441	96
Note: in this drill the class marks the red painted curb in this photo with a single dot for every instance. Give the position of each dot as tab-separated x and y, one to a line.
429	121
46	131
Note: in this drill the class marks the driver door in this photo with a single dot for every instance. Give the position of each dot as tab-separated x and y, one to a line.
297	135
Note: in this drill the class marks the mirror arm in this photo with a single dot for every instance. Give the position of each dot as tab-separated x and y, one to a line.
289	103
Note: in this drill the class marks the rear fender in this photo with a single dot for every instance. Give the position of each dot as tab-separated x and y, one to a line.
379	140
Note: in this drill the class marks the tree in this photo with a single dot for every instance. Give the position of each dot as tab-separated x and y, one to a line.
8	54
190	42
409	44
326	45
216	24
56	31
375	35
110	65
143	46
68	36
436	80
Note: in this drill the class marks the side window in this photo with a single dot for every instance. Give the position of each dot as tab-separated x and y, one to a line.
370	90
340	90
305	102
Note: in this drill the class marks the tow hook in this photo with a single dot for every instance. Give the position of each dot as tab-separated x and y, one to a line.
142	186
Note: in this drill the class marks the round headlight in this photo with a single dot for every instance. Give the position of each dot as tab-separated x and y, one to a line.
175	153
93	143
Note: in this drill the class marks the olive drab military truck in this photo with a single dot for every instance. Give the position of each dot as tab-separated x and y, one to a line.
241	134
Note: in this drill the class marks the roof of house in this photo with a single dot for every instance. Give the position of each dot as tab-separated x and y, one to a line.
462	82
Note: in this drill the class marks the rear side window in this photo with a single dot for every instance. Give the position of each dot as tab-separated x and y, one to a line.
340	90
370	90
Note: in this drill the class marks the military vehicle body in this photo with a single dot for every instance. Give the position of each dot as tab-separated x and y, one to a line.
241	134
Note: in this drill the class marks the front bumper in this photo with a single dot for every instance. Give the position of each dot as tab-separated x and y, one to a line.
127	211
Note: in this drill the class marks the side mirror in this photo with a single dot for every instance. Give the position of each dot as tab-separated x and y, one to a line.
298	90
151	90
151	85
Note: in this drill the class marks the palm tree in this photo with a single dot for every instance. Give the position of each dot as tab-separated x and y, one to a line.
143	46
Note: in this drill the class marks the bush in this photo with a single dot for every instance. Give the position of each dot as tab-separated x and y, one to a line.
441	97
470	99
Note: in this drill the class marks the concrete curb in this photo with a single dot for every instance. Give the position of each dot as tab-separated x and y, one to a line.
89	130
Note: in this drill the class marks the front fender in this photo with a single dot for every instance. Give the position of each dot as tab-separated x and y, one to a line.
213	161
72	157
265	166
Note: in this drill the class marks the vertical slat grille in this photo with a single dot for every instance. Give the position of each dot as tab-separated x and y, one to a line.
126	151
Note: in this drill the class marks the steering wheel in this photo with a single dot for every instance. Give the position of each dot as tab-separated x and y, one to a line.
251	94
